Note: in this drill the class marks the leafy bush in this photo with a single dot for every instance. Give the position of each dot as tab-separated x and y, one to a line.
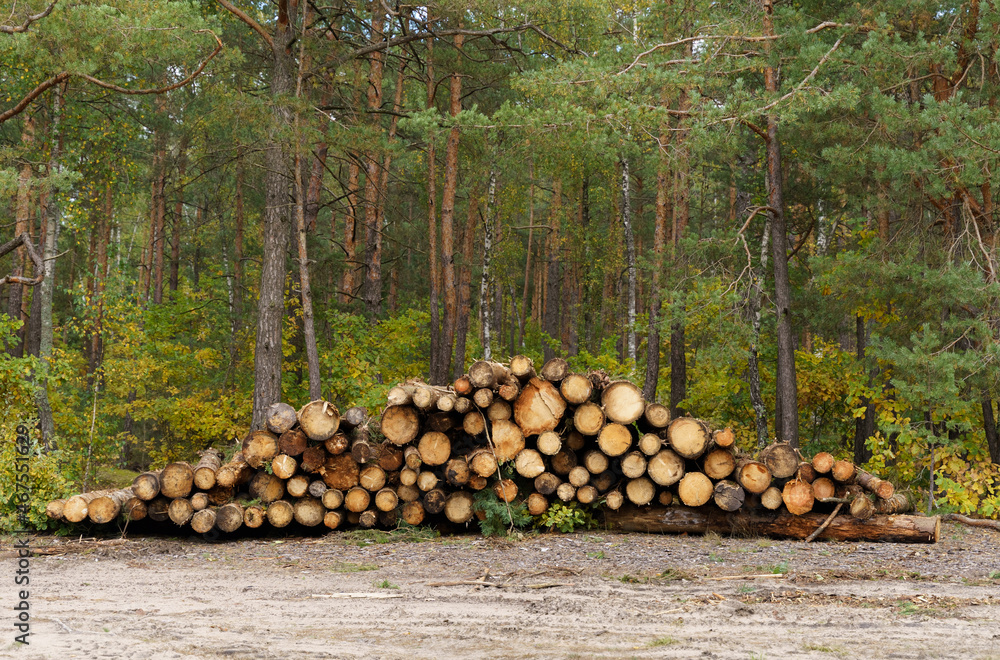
46	481
566	518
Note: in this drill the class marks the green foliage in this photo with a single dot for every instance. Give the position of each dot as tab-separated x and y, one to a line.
499	518
46	480
566	517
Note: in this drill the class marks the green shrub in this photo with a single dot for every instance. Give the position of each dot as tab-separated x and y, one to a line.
46	481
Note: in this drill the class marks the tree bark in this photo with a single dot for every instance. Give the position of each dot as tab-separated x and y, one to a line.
438	366
50	249
787	419
990	426
465	285
550	317
527	258
267	354
486	281
448	221
22	218
655	301
372	289
175	242
864	427
626	218
159	208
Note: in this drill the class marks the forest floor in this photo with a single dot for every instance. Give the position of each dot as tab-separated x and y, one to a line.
583	595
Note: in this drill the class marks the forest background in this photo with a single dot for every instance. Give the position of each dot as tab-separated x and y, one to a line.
777	216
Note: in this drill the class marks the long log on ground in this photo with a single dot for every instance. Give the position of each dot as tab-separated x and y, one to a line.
686	520
106	508
147	485
177	480
75	508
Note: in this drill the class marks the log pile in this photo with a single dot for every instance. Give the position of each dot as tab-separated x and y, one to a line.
531	437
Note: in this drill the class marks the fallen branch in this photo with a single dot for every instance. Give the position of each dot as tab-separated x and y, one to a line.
972	522
826	523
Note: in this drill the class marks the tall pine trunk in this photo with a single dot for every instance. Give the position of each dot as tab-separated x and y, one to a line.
655	300
22	224
626	219
550	316
787	417
486	280
271	305
371	291
438	366
448	221
465	285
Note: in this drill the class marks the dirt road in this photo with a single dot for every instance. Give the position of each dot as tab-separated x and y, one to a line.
586	595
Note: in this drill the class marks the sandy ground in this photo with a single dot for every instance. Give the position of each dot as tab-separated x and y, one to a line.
585	595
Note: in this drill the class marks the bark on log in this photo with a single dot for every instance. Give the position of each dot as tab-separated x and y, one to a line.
353	417
884	489
539	407
622	402
220	495
319	419
280	418
234	473
314	458
400	395
425	398
411	457
685	520
897	503
106	508
862	507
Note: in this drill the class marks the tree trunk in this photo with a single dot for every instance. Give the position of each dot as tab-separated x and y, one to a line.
175	242
438	366
372	289
655	301
50	249
485	282
990	426
448	222
787	421
550	318
465	285
527	258
267	352
159	208
22	219
626	217
864	427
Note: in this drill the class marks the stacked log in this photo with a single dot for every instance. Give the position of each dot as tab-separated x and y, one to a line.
528	436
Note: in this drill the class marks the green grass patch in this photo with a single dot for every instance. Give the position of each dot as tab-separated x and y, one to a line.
351	567
662	641
385	584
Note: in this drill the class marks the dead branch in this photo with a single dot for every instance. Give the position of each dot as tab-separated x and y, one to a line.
23	240
23	27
